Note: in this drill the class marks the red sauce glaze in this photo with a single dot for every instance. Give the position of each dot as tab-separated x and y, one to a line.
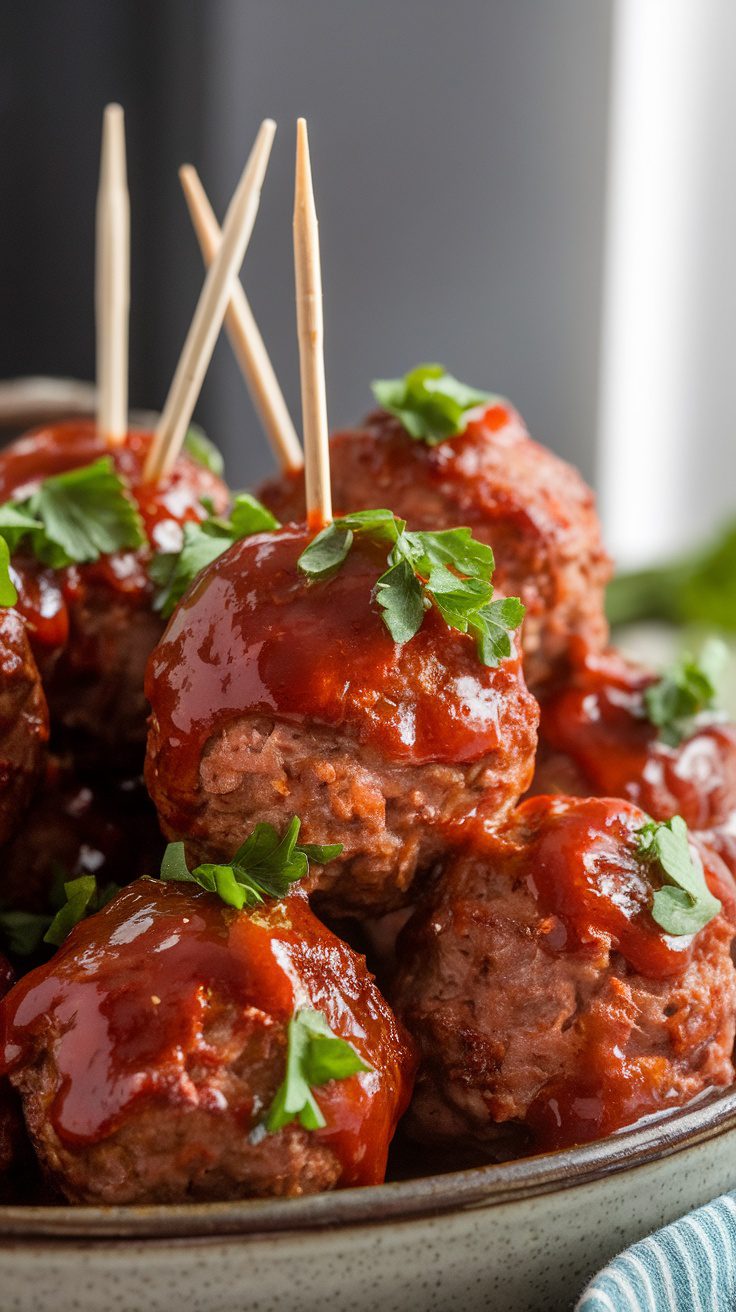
128	993
595	739
46	595
595	896
254	636
581	866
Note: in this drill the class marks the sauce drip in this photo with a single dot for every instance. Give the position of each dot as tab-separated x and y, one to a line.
128	997
254	636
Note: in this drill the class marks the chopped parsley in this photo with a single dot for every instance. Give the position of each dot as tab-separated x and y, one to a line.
448	570
264	866
200	449
314	1055
431	404
173	571
684	903
71	518
686	689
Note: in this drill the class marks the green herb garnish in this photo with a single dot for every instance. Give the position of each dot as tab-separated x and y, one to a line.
449	570
684	903
314	1055
71	518
431	404
24	932
8	590
699	589
686	689
174	571
199	447
264	866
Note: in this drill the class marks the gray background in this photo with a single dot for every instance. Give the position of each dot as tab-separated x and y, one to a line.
459	152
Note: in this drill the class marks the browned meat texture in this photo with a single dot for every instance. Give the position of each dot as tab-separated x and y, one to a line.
530	506
23	722
393	818
545	999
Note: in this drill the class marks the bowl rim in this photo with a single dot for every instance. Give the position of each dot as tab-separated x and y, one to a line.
709	1117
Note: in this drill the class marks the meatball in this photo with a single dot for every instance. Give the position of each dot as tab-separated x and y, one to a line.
23	721
79	824
274	697
534	510
96	653
148	1051
549	1006
595	739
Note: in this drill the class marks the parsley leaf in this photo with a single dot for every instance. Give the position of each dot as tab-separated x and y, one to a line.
22	931
314	1055
174	571
684	903
265	865
83	898
199	448
72	518
449	570
686	689
431	404
8	590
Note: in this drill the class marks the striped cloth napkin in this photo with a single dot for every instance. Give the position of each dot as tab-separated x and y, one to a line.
689	1266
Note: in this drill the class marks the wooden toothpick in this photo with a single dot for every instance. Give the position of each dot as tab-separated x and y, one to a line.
308	278
210	312
112	280
245	338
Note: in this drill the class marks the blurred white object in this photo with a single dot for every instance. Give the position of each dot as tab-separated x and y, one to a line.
667	448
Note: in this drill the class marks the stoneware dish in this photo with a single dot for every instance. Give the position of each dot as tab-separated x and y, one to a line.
518	1237
522	1236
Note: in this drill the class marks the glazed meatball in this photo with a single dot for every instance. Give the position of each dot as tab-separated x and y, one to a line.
272	696
534	510
93	634
549	1006
148	1051
595	739
23	722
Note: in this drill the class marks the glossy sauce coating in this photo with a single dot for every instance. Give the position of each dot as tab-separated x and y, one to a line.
533	509
254	635
580	865
130	989
46	595
596	739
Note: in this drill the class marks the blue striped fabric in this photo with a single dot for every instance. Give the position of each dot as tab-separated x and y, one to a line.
690	1266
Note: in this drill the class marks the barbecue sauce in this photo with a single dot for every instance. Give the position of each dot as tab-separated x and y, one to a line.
129	993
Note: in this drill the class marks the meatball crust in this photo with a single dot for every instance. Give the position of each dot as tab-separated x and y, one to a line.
147	1052
596	739
546	1001
93	656
532	508
23	722
272	697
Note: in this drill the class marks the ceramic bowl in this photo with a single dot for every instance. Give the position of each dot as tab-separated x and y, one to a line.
519	1237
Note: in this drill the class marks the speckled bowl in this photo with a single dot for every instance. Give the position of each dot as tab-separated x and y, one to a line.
521	1236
